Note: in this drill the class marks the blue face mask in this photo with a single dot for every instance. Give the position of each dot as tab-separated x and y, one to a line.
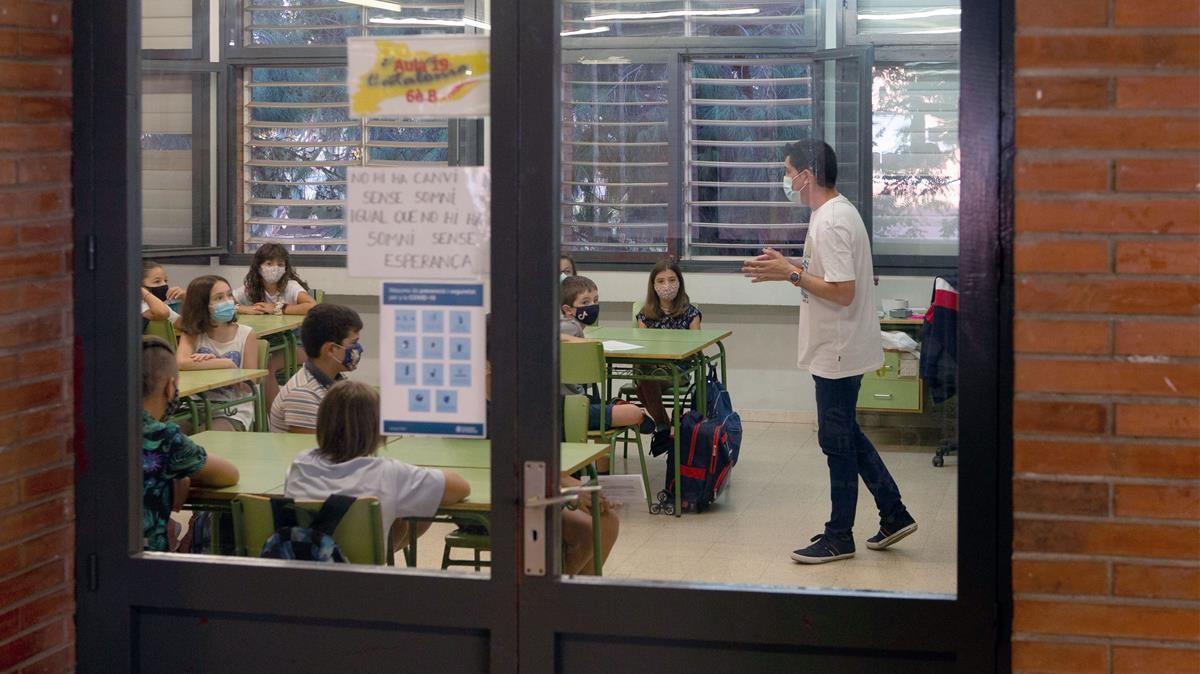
588	315
223	312
353	355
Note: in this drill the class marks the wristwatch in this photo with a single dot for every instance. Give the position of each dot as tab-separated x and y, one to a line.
279	307
794	277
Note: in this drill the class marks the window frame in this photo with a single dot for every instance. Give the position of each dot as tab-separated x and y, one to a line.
200	39
851	36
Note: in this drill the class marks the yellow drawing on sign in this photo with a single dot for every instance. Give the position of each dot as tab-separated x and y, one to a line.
417	76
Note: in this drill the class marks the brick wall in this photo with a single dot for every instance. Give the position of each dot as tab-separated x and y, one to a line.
1106	564
36	467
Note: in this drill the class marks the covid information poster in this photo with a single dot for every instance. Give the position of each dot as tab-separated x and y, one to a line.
432	359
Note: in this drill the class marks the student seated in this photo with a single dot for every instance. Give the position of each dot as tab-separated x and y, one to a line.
330	338
580	307
155	284
666	307
213	340
344	462
577	532
170	461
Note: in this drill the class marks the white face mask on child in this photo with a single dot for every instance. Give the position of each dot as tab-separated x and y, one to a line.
271	274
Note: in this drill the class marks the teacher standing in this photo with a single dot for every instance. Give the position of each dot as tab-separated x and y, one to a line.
839	342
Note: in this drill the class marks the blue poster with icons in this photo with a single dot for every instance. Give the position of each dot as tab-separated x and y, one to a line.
432	368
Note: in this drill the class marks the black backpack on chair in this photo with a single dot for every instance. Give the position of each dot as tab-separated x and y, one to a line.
313	543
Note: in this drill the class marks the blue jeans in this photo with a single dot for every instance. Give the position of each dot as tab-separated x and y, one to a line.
850	455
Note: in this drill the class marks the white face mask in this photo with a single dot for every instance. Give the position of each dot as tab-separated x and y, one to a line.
271	274
792	195
667	291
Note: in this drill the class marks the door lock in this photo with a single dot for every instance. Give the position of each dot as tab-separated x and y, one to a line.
535	502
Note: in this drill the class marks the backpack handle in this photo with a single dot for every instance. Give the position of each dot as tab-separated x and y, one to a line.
332	511
283	512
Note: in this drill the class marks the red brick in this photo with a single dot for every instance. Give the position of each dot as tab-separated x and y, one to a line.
41	610
1036	576
1062	14
1061	92
35	423
47	482
62	660
38	295
10	108
44	233
1133	660
33	330
1061	255
1158	175
26	646
1106	538
1062	175
26	14
32	455
1098	458
25	522
1159	501
42	44
1110	216
44	169
1108	132
53	545
30	203
1041	416
8	172
10	622
1158	92
1157	582
10	495
1105	620
31	138
1050	336
1158	338
36	77
9	237
1063	498
1158	421
9	40
1164	13
1045	657
47	361
29	395
46	109
34	265
1084	295
10	560
1158	257
1107	377
31	582
1111	50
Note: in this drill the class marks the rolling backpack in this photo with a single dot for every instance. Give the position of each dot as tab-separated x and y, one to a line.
709	449
313	543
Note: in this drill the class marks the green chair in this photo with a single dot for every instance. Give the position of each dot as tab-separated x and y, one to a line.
162	329
360	534
471	535
582	364
318	295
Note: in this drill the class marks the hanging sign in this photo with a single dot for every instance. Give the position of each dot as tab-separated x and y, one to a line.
419	223
432	376
419	76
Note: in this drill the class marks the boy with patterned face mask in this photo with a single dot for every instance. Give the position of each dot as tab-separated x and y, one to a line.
330	334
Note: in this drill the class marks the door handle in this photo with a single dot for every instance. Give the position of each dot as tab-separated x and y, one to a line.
535	501
883	396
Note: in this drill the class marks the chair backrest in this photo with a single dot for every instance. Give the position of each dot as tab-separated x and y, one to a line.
317	294
360	534
637	308
264	347
581	363
575	418
162	329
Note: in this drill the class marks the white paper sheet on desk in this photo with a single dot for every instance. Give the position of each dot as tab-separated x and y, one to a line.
614	345
622	488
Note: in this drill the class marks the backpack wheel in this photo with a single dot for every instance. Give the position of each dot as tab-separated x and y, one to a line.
669	508
938	460
655	509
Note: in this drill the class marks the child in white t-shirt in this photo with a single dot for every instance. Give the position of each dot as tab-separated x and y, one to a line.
345	462
212	339
161	294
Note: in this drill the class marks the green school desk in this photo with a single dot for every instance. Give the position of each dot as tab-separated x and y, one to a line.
285	326
661	355
198	382
262	460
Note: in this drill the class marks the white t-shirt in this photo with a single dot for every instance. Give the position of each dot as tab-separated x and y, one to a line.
403	490
172	317
233	351
289	295
835	341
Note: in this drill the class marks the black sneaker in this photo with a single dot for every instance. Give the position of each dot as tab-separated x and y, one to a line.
891	531
661	443
647	426
824	549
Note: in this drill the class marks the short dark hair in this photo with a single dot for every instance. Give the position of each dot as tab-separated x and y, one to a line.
327	323
574	286
816	156
158	364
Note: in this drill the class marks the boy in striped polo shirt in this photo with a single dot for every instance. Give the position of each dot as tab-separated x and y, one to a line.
330	338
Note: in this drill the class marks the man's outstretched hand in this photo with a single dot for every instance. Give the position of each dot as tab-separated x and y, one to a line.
770	266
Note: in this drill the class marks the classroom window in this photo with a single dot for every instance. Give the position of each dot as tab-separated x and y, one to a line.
299	140
902	21
322	23
915	172
599	19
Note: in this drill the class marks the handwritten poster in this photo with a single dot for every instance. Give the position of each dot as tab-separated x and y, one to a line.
419	76
419	223
432	376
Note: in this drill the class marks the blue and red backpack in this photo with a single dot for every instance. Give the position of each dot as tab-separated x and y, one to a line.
710	444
